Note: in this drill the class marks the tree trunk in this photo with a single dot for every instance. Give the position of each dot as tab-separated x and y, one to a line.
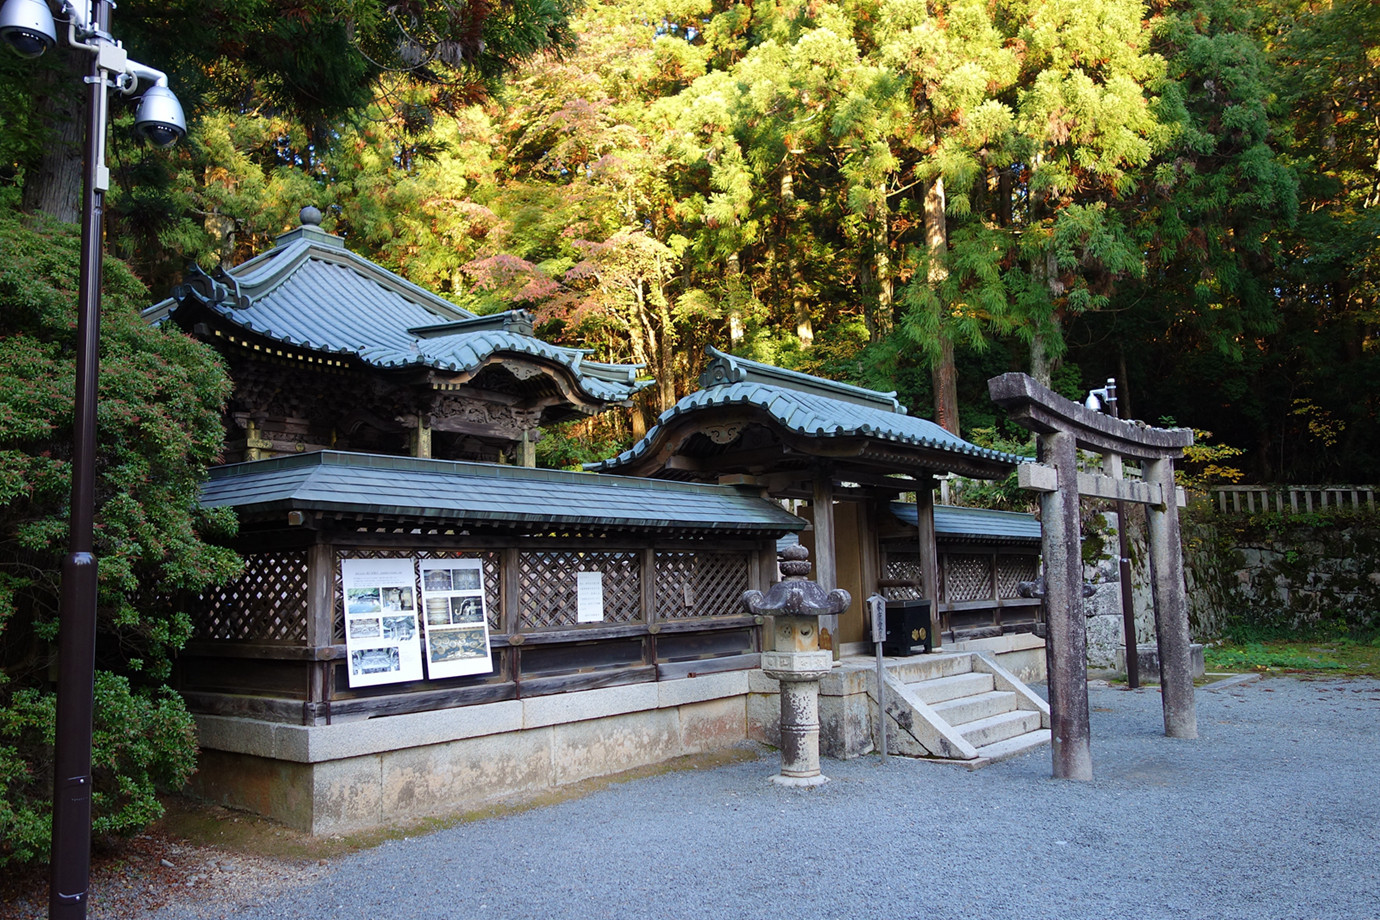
943	371
54	184
944	377
1045	337
1041	365
735	316
881	247
804	328
666	356
1123	386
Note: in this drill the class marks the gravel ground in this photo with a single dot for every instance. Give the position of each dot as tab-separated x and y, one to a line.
1271	813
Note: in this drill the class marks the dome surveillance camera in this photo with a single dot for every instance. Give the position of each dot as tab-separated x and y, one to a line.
27	27
160	117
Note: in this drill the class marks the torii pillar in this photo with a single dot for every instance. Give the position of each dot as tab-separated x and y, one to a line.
1062	428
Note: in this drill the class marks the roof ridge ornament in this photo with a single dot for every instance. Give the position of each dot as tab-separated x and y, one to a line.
309	230
518	322
724	368
219	287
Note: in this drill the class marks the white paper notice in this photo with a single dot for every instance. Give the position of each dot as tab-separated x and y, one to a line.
382	637
457	622
589	597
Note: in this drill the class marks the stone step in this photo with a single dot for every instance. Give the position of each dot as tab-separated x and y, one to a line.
1012	747
942	689
928	667
961	711
1000	727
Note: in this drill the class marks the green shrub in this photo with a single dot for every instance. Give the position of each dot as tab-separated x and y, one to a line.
158	428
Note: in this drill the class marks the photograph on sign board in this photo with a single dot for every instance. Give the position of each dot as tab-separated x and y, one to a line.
459	644
457	637
362	600
382	635
365	628
399	598
466	610
400	628
375	661
438	611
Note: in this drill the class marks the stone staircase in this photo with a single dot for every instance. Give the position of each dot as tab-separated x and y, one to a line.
962	707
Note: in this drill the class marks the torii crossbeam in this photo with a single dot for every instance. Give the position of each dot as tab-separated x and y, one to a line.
1063	427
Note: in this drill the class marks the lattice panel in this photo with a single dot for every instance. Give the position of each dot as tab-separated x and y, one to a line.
1011	570
493	578
700	584
903	566
547	593
967	577
267	602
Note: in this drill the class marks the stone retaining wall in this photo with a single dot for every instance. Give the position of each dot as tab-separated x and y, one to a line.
351	776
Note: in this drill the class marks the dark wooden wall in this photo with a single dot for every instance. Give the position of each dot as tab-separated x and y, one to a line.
271	645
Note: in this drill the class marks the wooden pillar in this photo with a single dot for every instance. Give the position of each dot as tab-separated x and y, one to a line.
527	451
320	628
825	570
929	552
421	438
1067	638
647	566
510	611
1171	606
870	551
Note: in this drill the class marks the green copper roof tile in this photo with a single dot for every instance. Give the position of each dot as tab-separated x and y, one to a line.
953	522
311	292
475	493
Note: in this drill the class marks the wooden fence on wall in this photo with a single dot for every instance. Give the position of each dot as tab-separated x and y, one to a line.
271	644
1291	499
977	586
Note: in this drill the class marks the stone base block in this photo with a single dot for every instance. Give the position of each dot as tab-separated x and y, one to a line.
329	779
1148	661
1023	654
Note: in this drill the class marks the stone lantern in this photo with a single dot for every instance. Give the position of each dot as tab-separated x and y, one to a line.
798	663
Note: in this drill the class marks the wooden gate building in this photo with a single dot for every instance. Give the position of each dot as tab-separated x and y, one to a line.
846	453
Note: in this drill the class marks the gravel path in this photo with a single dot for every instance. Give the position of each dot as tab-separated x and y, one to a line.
1272	813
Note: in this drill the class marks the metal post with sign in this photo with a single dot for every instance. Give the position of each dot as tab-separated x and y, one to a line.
876	609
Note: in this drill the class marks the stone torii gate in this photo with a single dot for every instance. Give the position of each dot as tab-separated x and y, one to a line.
1063	427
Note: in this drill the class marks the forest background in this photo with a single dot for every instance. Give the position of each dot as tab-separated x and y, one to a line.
911	195
905	194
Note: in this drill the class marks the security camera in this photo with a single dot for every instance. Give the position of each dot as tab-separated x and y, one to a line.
27	27
160	119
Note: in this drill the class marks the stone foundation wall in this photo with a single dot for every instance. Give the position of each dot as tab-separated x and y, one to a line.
356	775
1285	572
1279	572
1106	642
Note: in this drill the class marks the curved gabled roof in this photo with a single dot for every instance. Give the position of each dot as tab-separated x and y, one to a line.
815	408
310	292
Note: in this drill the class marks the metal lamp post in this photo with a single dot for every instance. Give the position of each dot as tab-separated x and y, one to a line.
28	27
